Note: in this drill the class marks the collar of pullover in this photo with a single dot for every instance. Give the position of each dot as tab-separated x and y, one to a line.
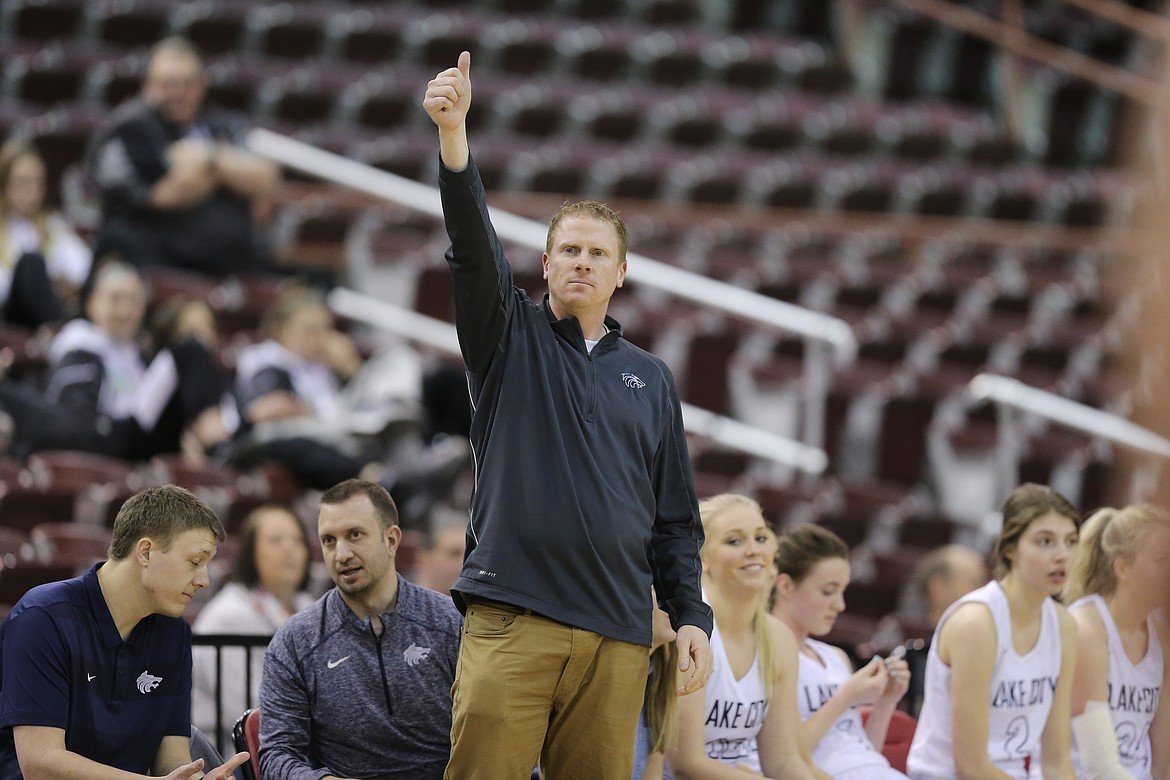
570	328
339	612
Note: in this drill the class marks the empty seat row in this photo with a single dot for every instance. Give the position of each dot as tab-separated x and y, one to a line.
375	97
593	49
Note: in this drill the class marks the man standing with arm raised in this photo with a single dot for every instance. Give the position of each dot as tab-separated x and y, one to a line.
584	495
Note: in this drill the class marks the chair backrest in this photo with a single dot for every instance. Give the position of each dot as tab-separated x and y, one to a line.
898	737
246	736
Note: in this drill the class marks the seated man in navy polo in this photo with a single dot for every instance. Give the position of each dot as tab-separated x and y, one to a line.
95	672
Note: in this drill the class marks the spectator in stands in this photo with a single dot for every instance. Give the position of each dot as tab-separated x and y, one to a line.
182	317
1121	726
175	322
441	560
95	672
999	672
941	577
359	684
42	260
747	717
102	396
177	184
560	400
810	593
269	584
290	388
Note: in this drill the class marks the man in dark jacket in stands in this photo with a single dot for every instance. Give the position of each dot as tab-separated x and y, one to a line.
584	495
177	186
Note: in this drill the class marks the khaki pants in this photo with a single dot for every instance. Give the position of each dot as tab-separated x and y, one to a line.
529	688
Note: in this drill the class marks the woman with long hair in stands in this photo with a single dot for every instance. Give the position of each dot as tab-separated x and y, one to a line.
1121	726
43	262
269	584
1000	667
744	722
813	566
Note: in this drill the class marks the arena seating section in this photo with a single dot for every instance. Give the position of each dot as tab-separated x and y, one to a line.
652	105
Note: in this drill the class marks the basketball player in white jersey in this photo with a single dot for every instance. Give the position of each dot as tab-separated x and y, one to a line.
1000	668
744	722
810	593
1121	575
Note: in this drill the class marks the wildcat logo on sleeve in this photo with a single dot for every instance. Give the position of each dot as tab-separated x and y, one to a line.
632	381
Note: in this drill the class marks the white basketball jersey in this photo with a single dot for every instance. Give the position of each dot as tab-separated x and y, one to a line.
844	746
1134	690
1020	698
735	710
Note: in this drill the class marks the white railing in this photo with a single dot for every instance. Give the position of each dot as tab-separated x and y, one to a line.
828	338
441	336
1013	398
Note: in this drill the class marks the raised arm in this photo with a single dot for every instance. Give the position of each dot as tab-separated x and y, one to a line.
482	277
447	101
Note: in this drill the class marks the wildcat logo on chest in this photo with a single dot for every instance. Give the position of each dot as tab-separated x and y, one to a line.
632	381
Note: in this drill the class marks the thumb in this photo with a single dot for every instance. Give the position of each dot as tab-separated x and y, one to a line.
465	64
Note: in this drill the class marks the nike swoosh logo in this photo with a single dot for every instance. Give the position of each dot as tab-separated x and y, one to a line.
337	663
90	676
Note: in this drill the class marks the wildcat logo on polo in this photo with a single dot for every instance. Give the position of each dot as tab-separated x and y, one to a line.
414	654
632	381
147	682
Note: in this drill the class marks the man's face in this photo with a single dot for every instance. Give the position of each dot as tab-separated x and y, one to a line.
175	86
172	577
443	563
583	269
358	551
968	572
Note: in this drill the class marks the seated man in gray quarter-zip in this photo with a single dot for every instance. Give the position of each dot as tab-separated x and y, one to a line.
583	495
359	684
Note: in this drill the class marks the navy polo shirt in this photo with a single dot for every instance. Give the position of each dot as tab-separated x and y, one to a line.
63	664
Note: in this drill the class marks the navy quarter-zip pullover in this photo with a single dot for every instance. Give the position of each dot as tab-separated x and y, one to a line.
583	493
